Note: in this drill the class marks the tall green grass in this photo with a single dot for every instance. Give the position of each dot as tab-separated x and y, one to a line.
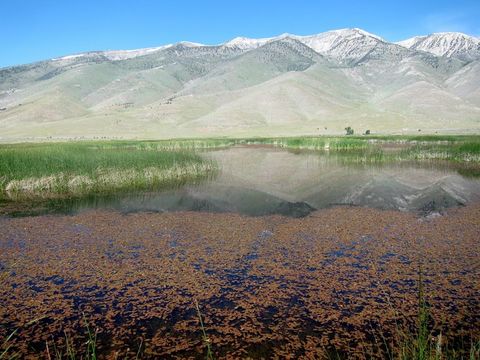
311	143
29	160
79	168
421	343
167	145
6	346
205	338
371	148
468	151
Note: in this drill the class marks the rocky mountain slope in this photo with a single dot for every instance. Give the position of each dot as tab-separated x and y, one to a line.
284	85
456	45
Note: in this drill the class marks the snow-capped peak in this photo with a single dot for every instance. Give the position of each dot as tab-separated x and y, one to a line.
114	54
245	43
448	44
128	54
325	43
357	32
69	57
322	43
409	43
343	44
190	44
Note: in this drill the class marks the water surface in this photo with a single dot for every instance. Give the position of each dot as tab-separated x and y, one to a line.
265	180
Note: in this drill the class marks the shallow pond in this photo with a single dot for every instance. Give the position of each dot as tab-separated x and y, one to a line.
268	286
265	180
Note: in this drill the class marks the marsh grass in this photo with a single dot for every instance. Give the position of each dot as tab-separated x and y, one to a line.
206	340
459	152
46	170
422	343
167	145
421	138
463	150
312	143
69	351
6	344
371	149
5	348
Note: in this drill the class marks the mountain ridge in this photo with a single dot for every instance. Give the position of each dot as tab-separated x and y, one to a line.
288	84
246	43
449	44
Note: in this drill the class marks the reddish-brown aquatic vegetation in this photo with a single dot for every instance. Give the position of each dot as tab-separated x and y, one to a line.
343	278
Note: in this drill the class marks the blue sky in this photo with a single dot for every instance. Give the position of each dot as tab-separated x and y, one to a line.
34	29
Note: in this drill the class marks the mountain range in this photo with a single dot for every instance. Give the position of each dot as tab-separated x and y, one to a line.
285	85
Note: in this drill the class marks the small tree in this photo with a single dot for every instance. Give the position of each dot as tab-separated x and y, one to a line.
349	130
367	132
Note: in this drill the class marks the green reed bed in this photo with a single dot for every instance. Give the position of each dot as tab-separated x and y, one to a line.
423	138
167	145
468	151
46	170
367	149
312	143
421	343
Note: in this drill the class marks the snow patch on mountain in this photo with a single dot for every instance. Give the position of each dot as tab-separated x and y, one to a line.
408	43
341	43
128	54
191	44
116	55
245	43
448	44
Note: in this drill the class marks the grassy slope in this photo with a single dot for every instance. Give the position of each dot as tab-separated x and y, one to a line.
263	92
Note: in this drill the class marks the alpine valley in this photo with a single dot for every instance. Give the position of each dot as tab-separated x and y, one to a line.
285	85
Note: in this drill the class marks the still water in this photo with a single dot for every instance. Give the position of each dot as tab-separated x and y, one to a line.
264	180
